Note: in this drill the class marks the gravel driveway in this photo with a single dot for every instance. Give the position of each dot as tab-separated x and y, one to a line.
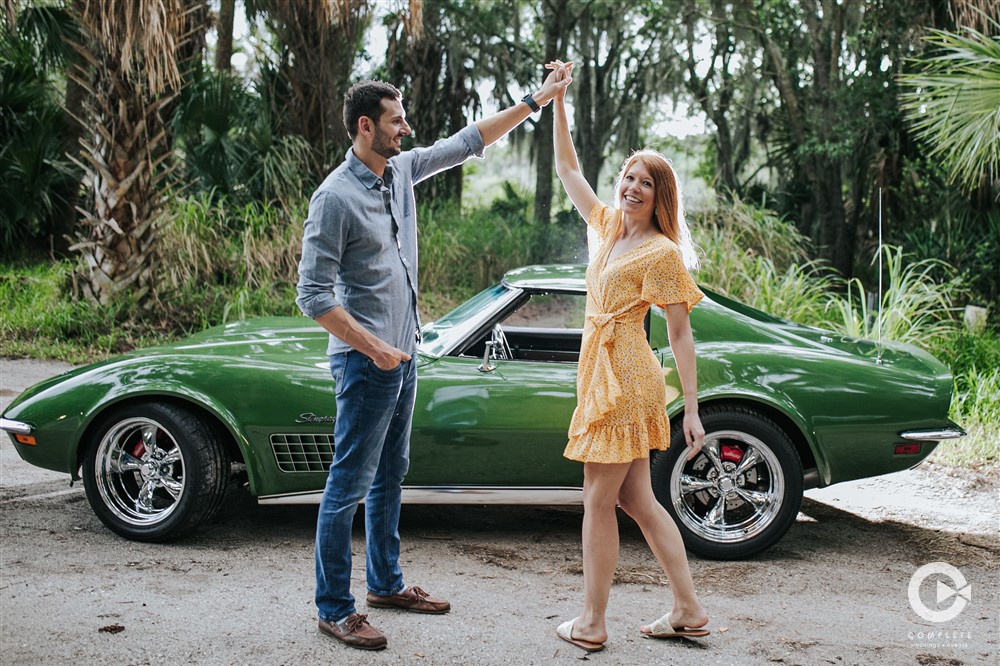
833	591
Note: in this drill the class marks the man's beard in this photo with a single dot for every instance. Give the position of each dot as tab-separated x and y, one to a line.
382	144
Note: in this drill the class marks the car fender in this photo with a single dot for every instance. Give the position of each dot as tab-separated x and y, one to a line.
727	373
95	390
177	393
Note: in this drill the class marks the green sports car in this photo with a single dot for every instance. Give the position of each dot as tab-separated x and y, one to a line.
160	435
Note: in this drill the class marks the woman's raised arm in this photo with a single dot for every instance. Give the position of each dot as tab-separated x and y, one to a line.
567	166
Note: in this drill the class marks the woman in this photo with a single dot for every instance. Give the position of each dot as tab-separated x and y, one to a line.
620	414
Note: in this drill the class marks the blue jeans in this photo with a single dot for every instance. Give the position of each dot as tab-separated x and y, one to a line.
371	456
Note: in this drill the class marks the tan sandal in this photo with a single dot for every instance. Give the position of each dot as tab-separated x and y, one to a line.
663	628
565	632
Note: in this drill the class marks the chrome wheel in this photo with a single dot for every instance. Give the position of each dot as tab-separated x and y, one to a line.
153	471
140	471
731	491
741	493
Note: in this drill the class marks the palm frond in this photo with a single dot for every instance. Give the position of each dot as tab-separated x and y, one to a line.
144	37
953	103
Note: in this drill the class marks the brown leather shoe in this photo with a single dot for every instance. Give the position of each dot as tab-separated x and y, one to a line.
356	632
412	599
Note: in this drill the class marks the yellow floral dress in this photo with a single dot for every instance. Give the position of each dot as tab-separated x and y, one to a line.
621	393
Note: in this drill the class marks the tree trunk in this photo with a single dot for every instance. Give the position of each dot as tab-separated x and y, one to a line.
590	134
125	152
224	41
557	22
322	41
120	248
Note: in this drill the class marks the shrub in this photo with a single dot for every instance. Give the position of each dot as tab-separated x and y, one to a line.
915	308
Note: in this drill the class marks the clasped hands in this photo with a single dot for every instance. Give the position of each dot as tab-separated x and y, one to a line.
554	86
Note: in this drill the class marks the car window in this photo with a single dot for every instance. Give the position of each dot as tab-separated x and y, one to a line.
564	311
546	328
441	336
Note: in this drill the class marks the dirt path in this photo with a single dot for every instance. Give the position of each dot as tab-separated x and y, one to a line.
833	591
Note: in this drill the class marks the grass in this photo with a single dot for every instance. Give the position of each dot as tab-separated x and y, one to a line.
976	406
40	320
219	265
916	308
463	251
975	363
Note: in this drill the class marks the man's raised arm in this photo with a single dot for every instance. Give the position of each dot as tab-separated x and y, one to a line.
499	124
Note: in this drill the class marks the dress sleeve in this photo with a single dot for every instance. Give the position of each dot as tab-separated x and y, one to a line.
602	219
667	280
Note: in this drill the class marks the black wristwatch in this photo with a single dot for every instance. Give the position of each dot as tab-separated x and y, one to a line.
531	103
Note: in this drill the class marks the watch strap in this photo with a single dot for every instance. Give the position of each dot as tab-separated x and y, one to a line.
532	104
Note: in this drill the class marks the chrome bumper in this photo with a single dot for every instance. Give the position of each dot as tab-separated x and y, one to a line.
16	427
935	435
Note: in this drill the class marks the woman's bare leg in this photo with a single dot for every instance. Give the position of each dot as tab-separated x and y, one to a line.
664	539
601	485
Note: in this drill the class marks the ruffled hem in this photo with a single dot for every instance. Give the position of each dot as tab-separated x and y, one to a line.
608	443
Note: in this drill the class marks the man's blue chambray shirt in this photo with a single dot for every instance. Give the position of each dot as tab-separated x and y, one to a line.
359	248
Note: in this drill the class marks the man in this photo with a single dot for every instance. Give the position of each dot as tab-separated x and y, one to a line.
358	279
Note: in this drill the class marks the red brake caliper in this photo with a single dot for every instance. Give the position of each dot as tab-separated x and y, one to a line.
731	453
139	450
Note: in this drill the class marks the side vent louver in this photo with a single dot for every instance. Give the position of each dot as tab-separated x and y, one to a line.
303	453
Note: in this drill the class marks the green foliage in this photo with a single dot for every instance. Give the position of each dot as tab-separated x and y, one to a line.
757	231
915	307
802	292
975	405
42	321
953	102
931	220
222	263
970	243
233	147
758	258
36	178
975	363
462	252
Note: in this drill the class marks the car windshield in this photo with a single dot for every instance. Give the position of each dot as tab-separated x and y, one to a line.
442	335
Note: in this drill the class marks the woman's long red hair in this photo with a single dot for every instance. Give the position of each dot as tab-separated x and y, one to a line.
668	214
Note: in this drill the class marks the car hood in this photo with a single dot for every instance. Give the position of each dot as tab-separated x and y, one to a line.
269	341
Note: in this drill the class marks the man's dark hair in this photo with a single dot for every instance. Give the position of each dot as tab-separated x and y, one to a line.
365	99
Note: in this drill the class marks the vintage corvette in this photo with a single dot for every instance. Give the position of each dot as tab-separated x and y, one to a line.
160	435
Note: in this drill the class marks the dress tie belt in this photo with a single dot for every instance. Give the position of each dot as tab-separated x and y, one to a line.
603	385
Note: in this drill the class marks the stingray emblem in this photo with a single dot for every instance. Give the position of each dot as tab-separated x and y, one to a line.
309	417
960	591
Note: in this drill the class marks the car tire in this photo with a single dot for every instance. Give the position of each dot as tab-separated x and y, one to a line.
155	471
740	494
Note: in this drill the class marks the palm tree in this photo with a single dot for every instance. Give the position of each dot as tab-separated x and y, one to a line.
320	40
131	73
953	102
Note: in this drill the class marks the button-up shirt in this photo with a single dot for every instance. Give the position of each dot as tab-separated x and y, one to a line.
359	247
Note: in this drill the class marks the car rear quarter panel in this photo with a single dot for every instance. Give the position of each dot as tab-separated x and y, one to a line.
849	409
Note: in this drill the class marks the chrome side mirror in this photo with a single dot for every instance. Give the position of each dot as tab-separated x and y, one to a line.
488	365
